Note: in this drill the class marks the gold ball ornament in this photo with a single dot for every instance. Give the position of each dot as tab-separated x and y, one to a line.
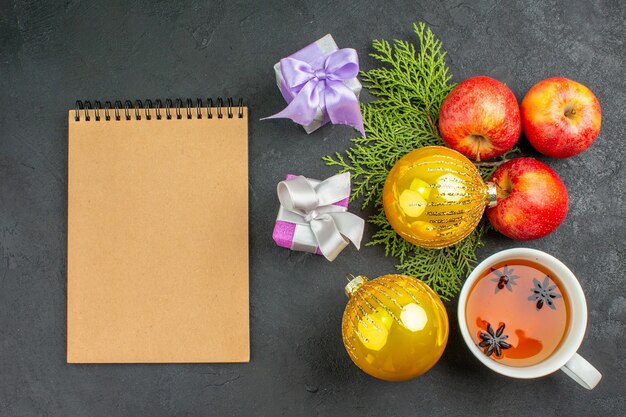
394	327
434	197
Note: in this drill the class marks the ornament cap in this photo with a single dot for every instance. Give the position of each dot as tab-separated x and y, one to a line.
354	284
491	194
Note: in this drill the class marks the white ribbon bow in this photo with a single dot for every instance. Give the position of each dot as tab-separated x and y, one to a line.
310	203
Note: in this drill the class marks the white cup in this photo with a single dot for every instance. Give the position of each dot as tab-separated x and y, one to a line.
565	357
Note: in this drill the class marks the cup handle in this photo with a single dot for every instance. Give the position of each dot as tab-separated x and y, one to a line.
582	371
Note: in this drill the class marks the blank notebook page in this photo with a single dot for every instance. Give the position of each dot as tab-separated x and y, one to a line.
157	263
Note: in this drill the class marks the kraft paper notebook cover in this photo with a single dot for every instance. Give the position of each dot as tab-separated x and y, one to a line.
157	263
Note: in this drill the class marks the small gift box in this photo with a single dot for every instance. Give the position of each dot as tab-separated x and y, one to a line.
319	85
313	216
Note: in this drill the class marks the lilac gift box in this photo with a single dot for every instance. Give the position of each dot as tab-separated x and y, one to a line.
287	233
308	54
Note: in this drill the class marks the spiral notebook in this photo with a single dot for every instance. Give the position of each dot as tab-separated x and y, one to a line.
157	262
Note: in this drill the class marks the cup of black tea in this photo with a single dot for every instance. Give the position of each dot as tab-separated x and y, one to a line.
523	314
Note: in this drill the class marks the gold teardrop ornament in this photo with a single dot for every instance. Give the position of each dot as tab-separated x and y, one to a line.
394	327
434	197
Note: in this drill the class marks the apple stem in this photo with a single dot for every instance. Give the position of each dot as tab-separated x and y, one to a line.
502	192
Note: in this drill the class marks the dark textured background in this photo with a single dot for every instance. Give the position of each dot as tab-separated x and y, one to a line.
52	53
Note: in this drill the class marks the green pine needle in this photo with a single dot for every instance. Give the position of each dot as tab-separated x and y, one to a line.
410	87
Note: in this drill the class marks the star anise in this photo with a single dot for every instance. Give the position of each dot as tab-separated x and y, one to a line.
504	278
494	341
543	293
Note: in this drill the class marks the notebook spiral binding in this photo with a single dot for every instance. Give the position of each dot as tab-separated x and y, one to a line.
136	109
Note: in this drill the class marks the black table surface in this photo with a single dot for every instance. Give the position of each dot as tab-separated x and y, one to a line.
52	53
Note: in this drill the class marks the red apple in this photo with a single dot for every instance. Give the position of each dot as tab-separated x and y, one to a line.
560	117
532	199
480	118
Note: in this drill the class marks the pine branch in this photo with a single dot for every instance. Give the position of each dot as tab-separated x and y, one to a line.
409	87
487	168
